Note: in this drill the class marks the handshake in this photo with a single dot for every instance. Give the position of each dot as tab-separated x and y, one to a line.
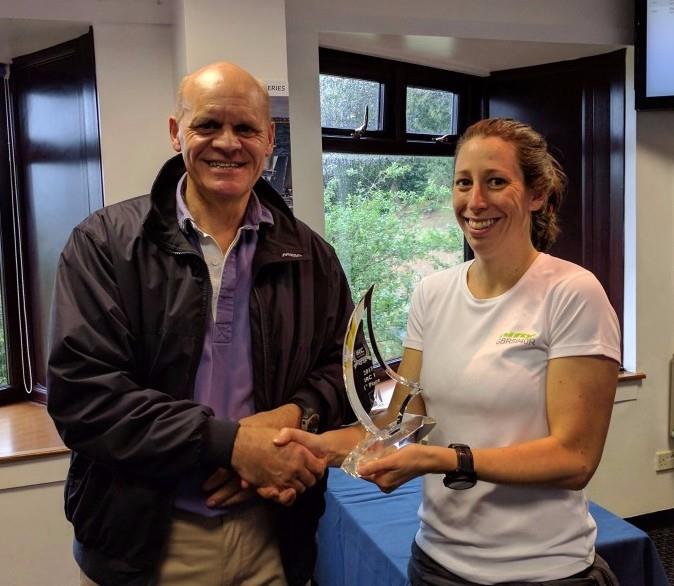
276	464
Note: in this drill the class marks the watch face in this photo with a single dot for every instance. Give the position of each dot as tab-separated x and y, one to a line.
461	483
310	423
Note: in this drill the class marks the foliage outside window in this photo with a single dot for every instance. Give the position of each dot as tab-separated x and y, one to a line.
391	222
343	102
430	111
387	193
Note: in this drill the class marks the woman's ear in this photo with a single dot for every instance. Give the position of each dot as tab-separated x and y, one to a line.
536	202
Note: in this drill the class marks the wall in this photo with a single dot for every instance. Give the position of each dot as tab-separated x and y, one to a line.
626	481
36	538
134	106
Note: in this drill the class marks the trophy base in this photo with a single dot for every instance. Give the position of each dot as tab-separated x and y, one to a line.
388	439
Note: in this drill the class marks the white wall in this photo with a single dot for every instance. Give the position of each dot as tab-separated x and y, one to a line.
36	538
250	33
134	77
626	481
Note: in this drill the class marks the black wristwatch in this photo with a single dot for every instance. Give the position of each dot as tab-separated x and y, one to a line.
310	419
464	476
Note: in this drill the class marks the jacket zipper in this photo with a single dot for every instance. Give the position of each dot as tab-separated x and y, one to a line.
265	361
195	358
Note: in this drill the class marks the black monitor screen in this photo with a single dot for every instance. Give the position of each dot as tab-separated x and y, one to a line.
654	54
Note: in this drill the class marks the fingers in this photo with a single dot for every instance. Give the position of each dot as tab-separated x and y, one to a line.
219	477
239	497
311	441
285	497
225	493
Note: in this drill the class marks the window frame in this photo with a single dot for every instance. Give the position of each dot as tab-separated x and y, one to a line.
395	77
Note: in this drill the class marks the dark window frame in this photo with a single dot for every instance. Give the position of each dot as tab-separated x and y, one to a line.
395	77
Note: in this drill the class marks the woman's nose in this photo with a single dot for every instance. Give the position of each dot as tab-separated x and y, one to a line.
477	199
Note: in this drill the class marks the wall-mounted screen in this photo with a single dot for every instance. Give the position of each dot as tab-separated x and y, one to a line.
654	54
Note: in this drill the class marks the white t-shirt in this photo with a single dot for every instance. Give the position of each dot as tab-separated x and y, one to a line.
483	378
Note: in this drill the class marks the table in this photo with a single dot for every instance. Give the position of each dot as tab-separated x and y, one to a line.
364	537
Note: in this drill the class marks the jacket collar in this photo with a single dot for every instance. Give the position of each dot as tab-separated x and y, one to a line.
278	242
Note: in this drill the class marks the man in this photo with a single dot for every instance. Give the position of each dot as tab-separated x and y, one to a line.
188	326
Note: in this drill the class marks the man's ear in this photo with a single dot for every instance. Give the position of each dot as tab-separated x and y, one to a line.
174	130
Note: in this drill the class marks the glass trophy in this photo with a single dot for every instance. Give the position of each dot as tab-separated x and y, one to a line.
360	380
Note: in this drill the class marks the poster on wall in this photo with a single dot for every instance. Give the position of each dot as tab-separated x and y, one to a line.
278	169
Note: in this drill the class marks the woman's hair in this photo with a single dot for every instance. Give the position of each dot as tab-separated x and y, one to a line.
542	173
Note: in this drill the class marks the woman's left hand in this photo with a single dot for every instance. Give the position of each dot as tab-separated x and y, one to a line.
391	471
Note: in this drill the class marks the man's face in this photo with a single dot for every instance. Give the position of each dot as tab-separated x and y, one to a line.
224	135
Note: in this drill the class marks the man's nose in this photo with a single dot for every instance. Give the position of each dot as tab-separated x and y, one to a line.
227	139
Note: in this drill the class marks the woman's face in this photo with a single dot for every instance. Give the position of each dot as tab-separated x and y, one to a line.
492	204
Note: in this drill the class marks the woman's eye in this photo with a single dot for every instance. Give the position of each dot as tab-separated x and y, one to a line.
496	182
462	183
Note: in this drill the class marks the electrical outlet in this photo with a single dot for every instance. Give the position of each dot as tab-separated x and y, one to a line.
664	460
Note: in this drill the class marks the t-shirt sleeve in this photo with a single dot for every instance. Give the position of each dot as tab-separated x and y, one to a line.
415	330
582	321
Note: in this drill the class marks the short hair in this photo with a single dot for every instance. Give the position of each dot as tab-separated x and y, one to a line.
542	172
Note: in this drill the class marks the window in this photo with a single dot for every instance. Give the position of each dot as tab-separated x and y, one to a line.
50	178
387	183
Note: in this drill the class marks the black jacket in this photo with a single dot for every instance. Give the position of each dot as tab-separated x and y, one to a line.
128	321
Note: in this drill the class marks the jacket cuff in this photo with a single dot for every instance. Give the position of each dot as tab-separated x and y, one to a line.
219	439
306	399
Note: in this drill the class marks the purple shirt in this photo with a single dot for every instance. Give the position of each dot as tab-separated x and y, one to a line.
224	379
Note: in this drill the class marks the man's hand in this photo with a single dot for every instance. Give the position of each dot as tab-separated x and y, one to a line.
262	464
288	415
225	488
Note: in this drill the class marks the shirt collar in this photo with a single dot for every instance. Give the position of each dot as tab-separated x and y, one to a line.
255	213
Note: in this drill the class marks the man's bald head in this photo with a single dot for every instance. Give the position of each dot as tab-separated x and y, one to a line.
209	77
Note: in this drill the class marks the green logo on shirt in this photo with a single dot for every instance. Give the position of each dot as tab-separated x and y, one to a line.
523	338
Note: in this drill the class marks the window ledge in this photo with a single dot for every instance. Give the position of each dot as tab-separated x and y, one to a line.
628	375
26	432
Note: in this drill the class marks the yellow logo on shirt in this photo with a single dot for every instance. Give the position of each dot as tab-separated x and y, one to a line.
523	338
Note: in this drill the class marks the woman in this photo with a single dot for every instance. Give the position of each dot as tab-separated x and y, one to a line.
518	354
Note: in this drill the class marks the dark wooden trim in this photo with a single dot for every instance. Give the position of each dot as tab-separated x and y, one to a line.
595	108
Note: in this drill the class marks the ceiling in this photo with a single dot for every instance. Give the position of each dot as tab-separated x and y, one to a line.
20	37
473	56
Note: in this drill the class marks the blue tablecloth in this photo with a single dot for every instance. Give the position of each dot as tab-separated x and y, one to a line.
364	537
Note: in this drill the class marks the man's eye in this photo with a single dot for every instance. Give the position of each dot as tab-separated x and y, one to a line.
245	129
208	125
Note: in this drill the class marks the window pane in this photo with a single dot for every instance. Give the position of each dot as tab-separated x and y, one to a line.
343	101
430	111
391	221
